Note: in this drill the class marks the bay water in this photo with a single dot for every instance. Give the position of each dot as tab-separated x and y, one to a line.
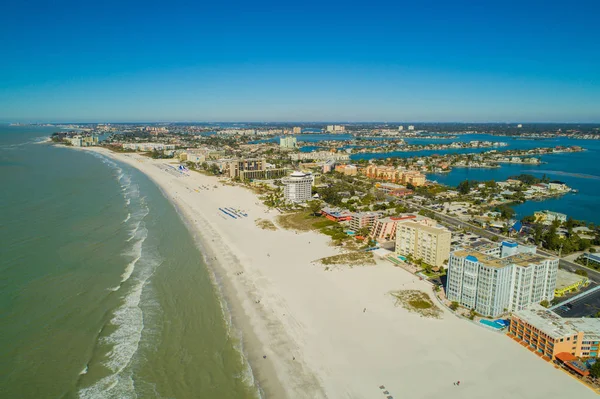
104	293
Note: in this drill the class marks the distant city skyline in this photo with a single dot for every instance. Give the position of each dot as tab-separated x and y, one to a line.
515	62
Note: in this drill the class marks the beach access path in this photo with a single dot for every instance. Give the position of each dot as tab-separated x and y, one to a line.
311	323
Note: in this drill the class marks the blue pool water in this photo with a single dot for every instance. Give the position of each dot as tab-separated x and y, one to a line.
493	324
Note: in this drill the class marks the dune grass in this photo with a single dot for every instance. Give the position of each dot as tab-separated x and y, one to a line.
417	302
265	224
358	258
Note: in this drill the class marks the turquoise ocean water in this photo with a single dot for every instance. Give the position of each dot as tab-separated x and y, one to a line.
104	294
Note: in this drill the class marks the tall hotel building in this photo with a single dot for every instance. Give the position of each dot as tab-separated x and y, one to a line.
298	187
423	241
494	282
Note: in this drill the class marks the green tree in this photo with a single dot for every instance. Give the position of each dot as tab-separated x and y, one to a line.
315	207
595	370
545	303
454	305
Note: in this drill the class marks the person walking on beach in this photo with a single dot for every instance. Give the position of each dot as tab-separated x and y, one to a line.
457	383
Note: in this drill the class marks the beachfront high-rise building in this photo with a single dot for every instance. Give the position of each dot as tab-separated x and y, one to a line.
297	130
298	187
549	334
232	168
363	219
422	240
493	285
288	142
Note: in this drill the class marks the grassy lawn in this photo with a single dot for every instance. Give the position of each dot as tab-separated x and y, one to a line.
265	224
417	302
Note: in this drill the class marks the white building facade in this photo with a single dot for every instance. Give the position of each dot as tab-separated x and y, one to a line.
298	187
493	285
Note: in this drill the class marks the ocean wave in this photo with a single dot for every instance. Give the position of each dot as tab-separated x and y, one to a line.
125	339
135	252
127	218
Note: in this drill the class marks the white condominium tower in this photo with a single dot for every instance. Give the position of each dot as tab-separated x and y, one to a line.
493	285
298	187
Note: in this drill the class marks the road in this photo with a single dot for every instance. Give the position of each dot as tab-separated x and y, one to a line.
581	305
593	275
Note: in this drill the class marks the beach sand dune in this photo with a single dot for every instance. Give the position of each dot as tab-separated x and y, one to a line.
311	323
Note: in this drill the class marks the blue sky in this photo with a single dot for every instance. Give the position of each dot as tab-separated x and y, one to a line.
303	61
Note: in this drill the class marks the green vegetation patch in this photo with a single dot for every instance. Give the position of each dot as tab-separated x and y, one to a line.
358	258
417	302
265	224
301	221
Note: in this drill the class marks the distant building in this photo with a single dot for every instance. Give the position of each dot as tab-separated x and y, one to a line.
519	125
395	175
148	146
335	128
195	155
297	130
400	128
423	241
348	170
411	127
547	217
320	156
549	334
495	285
233	167
289	142
83	141
298	187
363	219
395	190
328	166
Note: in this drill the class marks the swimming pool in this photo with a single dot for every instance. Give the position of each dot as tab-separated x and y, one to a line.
492	324
402	258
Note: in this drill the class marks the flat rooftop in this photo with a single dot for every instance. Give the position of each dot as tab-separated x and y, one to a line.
555	326
566	279
423	227
482	245
520	259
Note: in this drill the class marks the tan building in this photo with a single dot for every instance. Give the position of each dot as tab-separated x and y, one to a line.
297	130
232	168
423	241
549	334
348	170
394	175
384	230
363	219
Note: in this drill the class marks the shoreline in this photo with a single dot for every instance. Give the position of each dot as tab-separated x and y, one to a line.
310	322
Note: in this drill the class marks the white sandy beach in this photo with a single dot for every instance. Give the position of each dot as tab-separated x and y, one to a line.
287	307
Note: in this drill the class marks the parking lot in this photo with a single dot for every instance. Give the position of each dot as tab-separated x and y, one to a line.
581	307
